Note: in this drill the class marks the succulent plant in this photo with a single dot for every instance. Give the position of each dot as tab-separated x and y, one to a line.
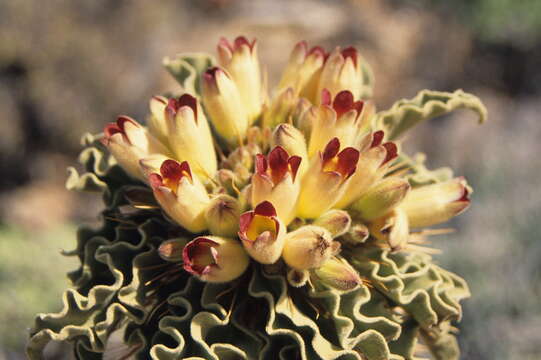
242	226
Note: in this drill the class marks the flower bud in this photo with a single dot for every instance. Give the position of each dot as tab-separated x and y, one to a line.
336	221
291	139
222	216
393	229
338	119
275	181
224	105
372	165
240	60
436	203
381	198
189	134
342	71
303	69
156	121
171	250
281	108
357	234
297	278
181	195
338	274
326	179
129	142
262	234
308	247
215	259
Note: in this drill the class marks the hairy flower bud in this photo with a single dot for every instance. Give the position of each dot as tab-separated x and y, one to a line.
380	198
325	181
181	195
241	62
303	69
215	259
357	234
393	229
342	71
338	274
171	250
336	221
433	204
275	180
223	103
188	132
262	234
222	216
129	142
308	247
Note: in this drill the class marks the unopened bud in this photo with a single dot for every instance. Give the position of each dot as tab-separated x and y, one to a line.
357	234
215	259
171	250
393	229
297	278
336	221
222	216
338	274
381	198
308	247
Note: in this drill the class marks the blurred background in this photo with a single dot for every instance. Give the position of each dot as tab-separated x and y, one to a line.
68	67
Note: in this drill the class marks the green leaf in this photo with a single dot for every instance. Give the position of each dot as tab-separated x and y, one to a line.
427	104
187	69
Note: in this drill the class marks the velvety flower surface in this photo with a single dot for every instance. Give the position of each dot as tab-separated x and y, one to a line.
298	197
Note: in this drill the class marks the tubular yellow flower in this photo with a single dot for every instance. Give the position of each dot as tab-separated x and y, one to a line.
156	121
433	204
381	198
326	179
181	195
308	247
342	71
215	259
275	180
372	165
223	103
339	118
129	142
188	132
303	69
262	233
241	62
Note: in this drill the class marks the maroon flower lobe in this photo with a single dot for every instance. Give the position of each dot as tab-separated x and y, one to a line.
344	102
174	105
350	52
172	172
237	43
277	164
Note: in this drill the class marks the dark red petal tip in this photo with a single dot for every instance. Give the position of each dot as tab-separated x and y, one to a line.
278	163
331	149
265	208
294	163
350	52
377	138
111	129
347	161
392	152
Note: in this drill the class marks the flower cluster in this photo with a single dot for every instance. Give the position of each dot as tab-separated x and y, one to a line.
294	176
